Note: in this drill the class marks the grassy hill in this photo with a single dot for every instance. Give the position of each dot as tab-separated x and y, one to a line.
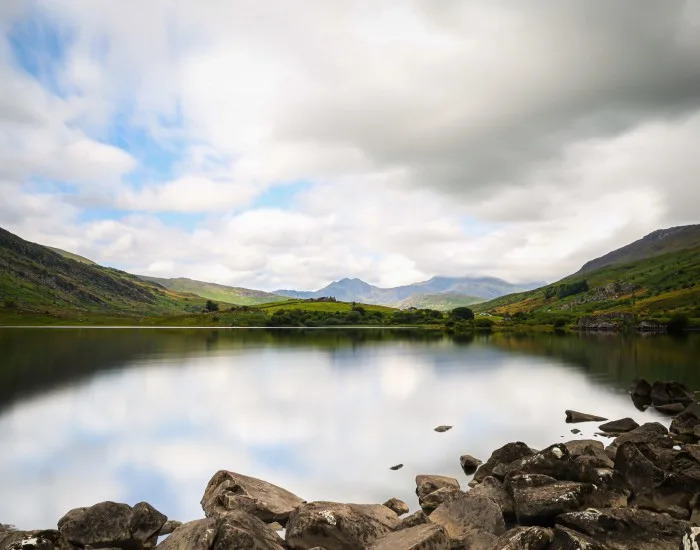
72	256
35	279
443	301
216	292
665	283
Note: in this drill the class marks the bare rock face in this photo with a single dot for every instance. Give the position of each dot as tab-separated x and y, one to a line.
503	456
539	499
398	506
525	538
228	491
337	526
573	417
421	537
33	540
492	488
626	528
110	524
619	426
464	512
234	530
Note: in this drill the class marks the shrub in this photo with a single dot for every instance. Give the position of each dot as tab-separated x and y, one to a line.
678	323
484	324
462	313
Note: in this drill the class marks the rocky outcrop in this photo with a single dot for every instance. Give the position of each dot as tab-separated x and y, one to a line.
575	417
606	322
228	491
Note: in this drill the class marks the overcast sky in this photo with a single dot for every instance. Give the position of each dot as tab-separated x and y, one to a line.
287	144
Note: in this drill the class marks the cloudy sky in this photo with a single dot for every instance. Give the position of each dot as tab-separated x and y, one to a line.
287	144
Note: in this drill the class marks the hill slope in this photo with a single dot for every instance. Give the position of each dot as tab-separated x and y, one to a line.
213	291
35	278
662	278
357	290
72	256
442	301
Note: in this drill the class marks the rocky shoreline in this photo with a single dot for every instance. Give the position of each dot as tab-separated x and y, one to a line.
640	492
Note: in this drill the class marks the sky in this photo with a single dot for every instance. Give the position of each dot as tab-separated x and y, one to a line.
288	144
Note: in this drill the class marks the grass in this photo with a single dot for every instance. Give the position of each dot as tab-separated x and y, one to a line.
329	307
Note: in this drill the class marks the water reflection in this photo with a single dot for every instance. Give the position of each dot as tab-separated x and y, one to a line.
130	415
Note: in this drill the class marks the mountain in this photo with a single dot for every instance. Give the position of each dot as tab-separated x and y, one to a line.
213	291
656	276
71	255
442	301
357	290
34	278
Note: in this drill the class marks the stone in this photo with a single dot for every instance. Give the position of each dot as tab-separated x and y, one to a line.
399	507
441	429
493	489
691	539
476	539
168	527
502	456
416	518
525	538
420	537
573	417
637	470
431	501
619	426
229	491
554	461
640	388
462	512
671	409
626	528
469	464
649	433
567	539
589	448
338	526
426	484
111	524
539	499
396	467
684	423
11	539
664	393
575	431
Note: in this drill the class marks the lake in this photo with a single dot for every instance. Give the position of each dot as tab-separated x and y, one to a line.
88	415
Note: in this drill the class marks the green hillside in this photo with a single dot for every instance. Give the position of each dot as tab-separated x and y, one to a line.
213	291
35	279
71	256
442	301
656	287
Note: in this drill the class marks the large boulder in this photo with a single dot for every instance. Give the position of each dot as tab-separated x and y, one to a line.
637	470
493	489
113	525
525	538
619	426
234	530
432	500
641	388
426	485
11	539
502	456
554	461
539	499
463	512
420	537
336	526
664	393
567	539
416	518
478	540
398	506
229	491
573	417
651	433
626	528
469	464
684	424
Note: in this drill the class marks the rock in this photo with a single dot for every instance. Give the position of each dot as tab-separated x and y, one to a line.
502	456
236	529
398	506
426	484
675	491
575	431
554	461
7	527
476	539
441	429
469	464
420	537
589	448
416	518
691	539
525	538
619	426
566	539
637	470
684	423
432	500
626	528
168	527
671	409
539	499
573	417
494	489
396	467
663	393
228	491
463	512
110	524
649	433
10	539
641	388
338	526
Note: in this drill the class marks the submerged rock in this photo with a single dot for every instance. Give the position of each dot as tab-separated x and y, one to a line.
619	426
664	393
469	464
573	417
671	409
228	491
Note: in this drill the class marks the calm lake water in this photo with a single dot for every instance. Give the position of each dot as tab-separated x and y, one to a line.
88	415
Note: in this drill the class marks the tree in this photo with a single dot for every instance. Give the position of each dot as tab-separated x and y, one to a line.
211	306
462	314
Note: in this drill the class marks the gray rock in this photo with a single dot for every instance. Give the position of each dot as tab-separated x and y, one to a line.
431	501
663	393
110	524
626	528
573	417
396	467
619	426
10	539
575	431
554	461
441	429
649	433
168	527
684	423
338	526
525	538
671	409
426	484
641	388
463	512
637	470
229	491
538	499
492	488
397	506
502	456
469	464
420	537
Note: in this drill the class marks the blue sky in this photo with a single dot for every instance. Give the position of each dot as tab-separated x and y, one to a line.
222	141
